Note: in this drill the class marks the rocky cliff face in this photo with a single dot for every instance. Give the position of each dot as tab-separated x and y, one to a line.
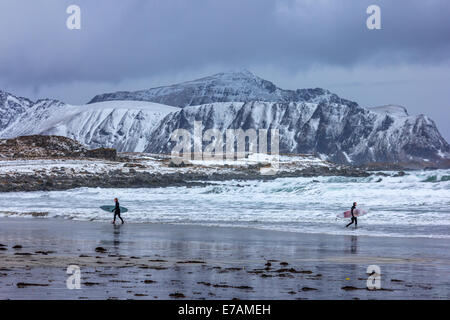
336	132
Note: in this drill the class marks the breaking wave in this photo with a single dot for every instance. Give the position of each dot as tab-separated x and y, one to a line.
415	204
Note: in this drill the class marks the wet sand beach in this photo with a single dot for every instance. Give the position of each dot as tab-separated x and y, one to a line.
162	261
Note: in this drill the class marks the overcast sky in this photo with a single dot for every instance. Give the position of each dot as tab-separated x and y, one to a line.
139	44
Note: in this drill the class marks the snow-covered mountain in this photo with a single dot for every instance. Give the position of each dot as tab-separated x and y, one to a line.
336	132
242	86
11	107
310	120
124	125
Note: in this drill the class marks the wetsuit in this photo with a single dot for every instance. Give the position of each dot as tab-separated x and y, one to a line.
354	219
116	211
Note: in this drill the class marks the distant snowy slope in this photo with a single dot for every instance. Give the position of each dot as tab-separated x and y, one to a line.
124	125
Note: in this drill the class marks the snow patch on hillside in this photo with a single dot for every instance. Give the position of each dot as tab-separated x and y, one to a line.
393	110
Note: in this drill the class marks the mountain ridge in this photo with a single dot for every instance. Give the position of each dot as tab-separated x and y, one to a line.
310	120
240	86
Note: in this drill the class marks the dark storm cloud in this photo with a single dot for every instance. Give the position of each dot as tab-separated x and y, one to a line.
138	38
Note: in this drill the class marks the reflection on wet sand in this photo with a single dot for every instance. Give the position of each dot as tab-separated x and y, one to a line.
143	261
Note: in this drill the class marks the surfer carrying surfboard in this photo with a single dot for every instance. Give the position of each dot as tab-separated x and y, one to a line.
116	211
354	219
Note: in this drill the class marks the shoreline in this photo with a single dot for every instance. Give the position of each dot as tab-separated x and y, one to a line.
113	179
236	228
153	171
159	261
131	170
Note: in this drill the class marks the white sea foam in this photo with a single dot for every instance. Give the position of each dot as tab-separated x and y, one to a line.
415	205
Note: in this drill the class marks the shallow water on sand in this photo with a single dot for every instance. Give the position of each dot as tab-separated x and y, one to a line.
151	261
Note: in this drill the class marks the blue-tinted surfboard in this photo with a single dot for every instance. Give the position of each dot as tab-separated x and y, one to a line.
111	208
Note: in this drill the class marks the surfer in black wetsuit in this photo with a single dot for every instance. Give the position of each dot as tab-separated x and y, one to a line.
116	211
353	216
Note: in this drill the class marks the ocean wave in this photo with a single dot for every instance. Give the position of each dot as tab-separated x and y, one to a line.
399	205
